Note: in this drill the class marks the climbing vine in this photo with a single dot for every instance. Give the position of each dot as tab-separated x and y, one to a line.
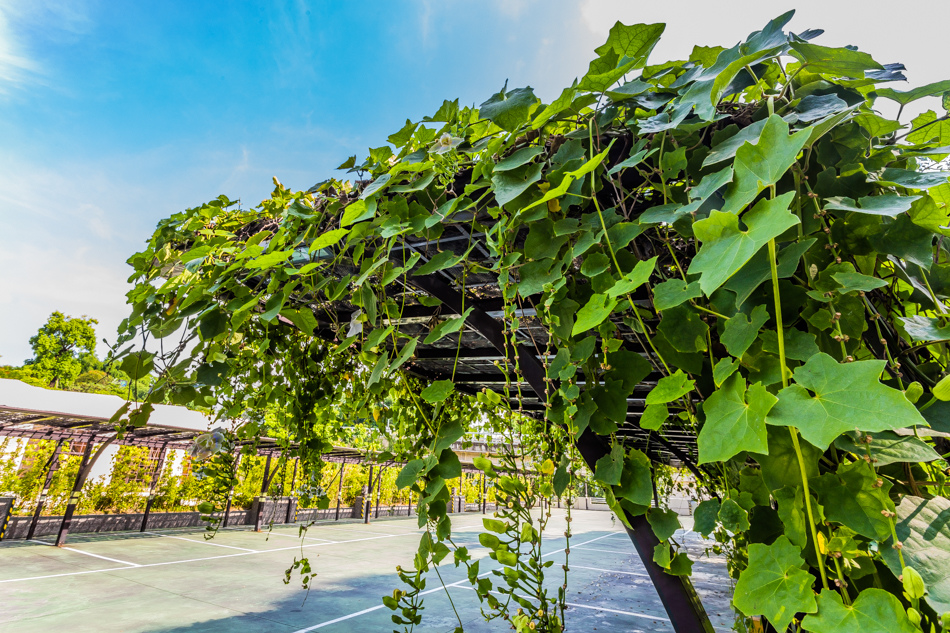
741	232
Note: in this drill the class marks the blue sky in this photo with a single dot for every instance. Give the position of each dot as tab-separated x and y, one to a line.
116	114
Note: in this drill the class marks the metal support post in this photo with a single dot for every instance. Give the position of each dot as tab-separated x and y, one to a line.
484	494
292	499
379	490
339	492
265	484
152	483
51	466
84	467
679	598
227	506
367	496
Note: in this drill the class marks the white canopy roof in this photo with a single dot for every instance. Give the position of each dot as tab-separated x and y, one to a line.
17	396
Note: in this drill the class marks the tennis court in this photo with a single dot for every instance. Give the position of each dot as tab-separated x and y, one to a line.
175	581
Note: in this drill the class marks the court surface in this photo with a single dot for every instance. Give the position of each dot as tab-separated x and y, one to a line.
175	581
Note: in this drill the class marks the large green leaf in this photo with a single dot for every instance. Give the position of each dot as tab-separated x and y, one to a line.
840	62
664	522
890	205
449	326
830	398
609	467
758	270
705	516
888	447
597	308
674	292
874	611
634	42
741	331
735	421
764	163
851	497
913	179
922	329
904	97
511	184
774	584
726	247
924	530
669	388
508	109
928	127
636	481
780	467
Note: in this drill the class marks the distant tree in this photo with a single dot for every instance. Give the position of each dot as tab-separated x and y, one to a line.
62	349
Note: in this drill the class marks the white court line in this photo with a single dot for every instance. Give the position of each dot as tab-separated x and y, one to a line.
79	551
204	542
190	560
312	538
610	571
381	606
636	615
439	588
327	527
605	551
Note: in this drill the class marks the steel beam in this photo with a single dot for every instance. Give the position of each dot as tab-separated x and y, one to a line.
679	598
85	467
151	486
50	468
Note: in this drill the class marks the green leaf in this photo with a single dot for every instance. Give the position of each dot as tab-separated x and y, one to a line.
929	127
664	522
438	391
635	42
726	248
840	62
758	270
851	498
723	369
212	324
609	467
684	329
874	611
764	163
493	525
791	510
888	447
674	292
846	397
636	481
913	179
774	584
634	279
597	308
448	434
654	416
706	516
661	555
508	109
330	238
741	331
517	159
735	421
449	326
409	473
798	345
733	517
854	282
303	319
924	531
727	148
269	260
780	467
923	329
890	205
511	184
681	565
670	388
375	186
441	261
138	365
904	97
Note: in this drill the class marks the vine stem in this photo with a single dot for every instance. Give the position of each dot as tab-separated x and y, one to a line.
792	430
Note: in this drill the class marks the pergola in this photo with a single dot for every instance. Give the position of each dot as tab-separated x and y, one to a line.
481	356
35	413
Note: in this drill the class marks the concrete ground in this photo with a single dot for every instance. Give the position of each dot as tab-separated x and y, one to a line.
177	582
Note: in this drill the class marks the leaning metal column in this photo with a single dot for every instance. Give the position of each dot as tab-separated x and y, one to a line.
50	468
154	482
84	468
679	598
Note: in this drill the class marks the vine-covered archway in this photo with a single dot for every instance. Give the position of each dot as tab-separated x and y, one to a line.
733	261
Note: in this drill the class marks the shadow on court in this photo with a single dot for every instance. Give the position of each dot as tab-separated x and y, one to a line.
176	581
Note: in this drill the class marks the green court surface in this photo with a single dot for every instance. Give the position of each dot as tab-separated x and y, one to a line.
176	581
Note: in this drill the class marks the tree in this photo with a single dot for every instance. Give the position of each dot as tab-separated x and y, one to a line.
736	248
62	349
